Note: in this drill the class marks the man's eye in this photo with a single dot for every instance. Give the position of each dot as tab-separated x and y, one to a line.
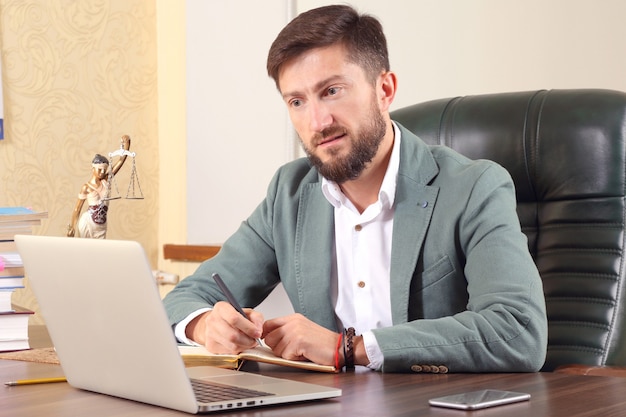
332	91
295	103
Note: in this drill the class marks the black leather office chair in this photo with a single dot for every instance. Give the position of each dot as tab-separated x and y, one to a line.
566	152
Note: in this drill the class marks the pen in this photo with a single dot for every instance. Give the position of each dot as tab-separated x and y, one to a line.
35	381
231	299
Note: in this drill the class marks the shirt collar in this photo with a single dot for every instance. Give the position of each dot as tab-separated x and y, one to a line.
387	192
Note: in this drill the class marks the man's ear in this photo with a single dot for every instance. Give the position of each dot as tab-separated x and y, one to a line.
386	89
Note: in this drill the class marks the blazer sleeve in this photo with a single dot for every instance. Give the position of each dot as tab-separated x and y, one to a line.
246	262
258	256
482	308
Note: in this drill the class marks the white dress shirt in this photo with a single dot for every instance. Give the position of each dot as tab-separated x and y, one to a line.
362	258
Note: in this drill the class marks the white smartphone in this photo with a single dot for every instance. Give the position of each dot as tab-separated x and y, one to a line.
475	400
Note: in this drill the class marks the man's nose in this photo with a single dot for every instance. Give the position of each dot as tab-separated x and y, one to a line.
320	117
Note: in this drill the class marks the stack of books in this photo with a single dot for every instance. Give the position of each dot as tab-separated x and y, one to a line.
14	319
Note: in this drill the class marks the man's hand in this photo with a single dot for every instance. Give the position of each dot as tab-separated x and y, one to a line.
224	330
297	338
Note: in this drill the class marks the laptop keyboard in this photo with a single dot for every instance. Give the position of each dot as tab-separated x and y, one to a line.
209	391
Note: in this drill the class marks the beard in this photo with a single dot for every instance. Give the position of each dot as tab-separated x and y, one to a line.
364	144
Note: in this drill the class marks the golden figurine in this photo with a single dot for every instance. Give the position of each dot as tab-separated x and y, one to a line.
97	191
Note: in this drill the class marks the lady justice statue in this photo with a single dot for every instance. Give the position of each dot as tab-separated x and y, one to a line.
97	191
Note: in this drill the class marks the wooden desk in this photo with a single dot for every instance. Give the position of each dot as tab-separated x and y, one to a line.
365	393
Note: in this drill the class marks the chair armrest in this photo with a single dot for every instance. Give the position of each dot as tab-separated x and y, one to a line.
576	369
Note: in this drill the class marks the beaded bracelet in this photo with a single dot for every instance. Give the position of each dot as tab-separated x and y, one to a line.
349	348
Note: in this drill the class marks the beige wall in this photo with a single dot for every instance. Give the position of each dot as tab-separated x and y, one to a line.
77	76
172	200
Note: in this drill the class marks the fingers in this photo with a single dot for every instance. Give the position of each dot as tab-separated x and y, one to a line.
257	319
227	331
276	323
297	338
282	336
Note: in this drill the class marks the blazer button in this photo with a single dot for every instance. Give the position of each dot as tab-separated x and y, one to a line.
443	369
416	368
426	368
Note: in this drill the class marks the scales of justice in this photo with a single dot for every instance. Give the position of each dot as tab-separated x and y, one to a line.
92	223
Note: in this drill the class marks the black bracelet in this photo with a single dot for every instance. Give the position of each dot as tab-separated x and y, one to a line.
349	348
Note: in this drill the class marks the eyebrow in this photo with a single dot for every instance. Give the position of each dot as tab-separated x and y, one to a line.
318	86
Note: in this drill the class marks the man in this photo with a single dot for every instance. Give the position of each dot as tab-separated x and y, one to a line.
395	255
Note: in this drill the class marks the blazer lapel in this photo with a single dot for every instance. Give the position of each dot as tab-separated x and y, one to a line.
415	201
411	220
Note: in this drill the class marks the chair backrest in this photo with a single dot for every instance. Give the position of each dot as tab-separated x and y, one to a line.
565	150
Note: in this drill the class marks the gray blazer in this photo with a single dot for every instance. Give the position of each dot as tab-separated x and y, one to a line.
465	292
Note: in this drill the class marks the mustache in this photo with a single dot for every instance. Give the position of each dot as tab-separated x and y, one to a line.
328	133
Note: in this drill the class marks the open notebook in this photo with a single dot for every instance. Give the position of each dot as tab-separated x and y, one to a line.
106	320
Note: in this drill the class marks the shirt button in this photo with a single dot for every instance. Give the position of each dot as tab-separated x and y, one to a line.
361	284
358	227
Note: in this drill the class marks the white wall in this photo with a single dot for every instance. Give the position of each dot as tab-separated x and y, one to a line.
444	48
236	123
238	130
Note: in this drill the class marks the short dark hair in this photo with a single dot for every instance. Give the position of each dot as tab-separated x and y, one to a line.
361	34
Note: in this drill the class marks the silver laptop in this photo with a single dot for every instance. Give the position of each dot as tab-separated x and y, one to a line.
106	320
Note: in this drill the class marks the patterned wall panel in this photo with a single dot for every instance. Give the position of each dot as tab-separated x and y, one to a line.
77	76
